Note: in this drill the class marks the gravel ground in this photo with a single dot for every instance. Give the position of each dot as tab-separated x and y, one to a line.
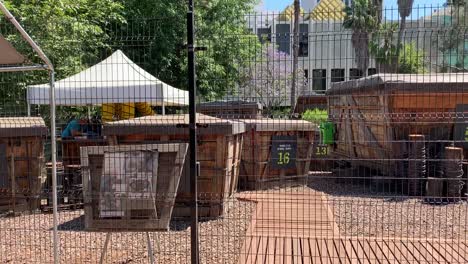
359	211
27	239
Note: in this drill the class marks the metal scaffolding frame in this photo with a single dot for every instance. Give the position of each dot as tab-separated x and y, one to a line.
47	66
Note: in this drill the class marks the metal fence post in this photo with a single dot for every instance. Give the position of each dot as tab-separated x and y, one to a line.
193	131
54	166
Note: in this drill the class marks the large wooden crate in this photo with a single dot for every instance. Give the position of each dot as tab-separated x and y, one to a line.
259	166
219	149
374	117
22	162
112	205
231	109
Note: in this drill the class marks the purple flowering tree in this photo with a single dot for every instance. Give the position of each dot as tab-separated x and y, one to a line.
269	78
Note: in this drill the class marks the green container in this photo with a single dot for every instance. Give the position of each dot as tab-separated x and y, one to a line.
327	133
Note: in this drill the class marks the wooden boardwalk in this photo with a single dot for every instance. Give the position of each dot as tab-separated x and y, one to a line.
299	227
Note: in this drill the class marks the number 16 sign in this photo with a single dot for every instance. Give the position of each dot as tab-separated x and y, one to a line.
283	152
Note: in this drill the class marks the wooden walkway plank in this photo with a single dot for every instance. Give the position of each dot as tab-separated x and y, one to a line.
270	256
290	227
340	251
460	255
395	255
350	251
245	250
406	255
253	252
315	251
323	251
414	252
288	253
447	253
369	251
296	251
383	251
436	256
332	254
262	250
306	251
427	255
279	255
357	251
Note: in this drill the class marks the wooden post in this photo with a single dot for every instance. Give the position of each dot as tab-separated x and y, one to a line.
453	169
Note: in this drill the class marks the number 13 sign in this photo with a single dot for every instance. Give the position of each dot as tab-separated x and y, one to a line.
283	152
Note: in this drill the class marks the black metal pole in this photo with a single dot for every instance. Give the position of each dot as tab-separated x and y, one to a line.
193	131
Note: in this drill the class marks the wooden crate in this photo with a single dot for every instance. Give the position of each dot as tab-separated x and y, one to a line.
257	167
231	109
22	169
71	156
219	149
136	215
375	115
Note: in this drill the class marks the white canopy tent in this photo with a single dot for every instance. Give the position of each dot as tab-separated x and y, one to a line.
117	79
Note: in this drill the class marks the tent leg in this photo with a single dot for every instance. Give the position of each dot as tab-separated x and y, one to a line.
163	109
29	109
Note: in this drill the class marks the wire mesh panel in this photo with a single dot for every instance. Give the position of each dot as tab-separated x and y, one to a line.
337	139
358	154
117	201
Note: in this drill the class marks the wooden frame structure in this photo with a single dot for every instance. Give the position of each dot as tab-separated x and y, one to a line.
219	150
22	178
256	169
171	161
375	116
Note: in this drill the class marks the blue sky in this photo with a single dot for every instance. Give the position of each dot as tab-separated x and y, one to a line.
278	5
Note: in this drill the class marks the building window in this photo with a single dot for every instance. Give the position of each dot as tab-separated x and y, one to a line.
337	75
283	38
306	76
304	40
264	35
319	79
371	71
355	74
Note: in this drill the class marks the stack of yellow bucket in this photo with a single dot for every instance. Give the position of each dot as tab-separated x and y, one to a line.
123	111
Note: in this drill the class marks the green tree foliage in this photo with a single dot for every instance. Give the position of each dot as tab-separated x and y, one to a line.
453	40
362	19
75	34
220	27
384	49
316	116
69	31
411	59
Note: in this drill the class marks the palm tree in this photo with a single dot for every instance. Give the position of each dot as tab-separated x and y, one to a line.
404	9
361	19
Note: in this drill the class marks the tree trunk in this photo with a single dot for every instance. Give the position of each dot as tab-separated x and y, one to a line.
297	11
360	42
